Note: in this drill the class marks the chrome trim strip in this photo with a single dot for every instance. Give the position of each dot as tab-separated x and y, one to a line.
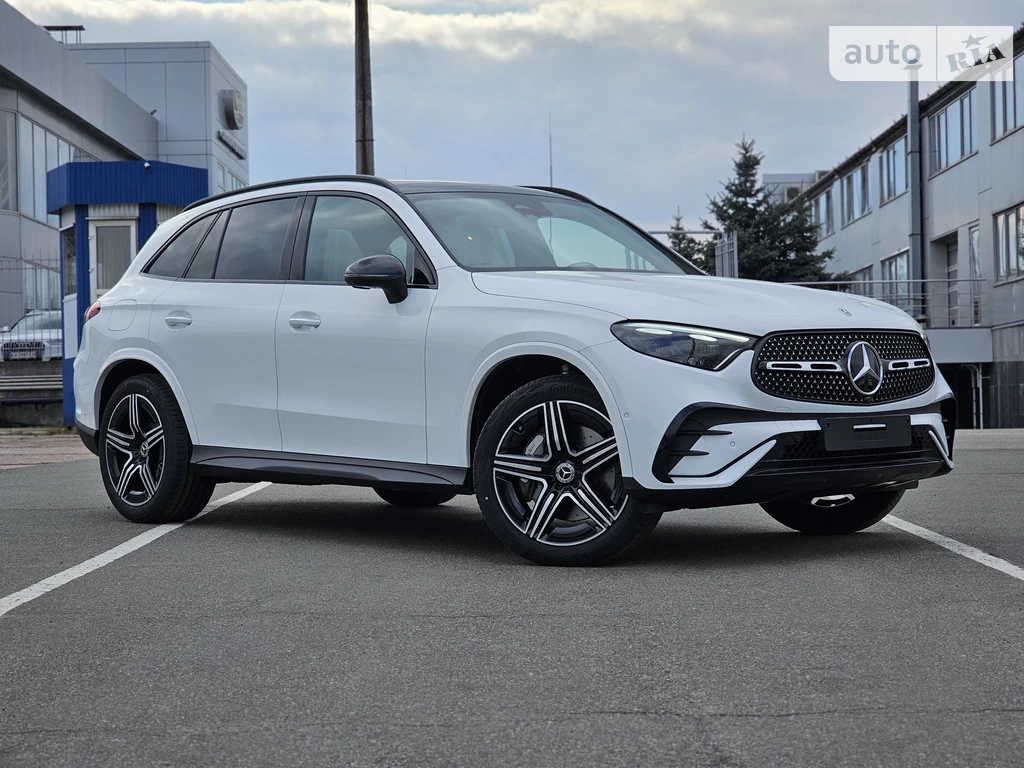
908	365
814	366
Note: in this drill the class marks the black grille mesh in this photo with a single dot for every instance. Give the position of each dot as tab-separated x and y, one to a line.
834	387
806	451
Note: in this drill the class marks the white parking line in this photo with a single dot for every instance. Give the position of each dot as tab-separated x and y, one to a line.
12	601
966	550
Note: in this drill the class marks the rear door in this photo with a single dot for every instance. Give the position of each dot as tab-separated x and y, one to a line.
351	365
215	325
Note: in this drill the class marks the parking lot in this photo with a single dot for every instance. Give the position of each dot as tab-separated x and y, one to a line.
318	626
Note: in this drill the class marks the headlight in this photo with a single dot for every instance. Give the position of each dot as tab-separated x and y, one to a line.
699	347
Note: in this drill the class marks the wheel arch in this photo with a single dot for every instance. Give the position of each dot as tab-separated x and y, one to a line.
511	367
134	362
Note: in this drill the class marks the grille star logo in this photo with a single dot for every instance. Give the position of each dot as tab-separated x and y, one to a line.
864	368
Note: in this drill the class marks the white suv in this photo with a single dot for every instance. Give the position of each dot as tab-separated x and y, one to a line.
523	344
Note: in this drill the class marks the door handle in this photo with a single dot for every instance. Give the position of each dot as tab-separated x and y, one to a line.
301	320
175	319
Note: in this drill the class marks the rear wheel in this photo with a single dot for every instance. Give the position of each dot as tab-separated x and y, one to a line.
842	513
400	498
547	475
144	452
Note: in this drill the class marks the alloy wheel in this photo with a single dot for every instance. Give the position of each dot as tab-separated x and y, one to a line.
557	475
134	449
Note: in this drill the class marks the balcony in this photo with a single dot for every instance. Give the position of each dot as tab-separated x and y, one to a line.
957	314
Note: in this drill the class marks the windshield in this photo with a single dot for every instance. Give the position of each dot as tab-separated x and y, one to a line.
42	321
507	231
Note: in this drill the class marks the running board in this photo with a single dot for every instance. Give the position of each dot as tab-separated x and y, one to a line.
243	465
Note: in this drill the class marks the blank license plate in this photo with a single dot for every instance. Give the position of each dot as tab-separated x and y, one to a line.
848	433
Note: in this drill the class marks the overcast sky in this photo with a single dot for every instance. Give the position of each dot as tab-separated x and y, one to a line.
647	97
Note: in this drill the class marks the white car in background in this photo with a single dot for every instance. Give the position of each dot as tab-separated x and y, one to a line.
36	336
523	344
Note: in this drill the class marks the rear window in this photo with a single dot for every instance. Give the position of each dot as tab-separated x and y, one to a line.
174	259
253	244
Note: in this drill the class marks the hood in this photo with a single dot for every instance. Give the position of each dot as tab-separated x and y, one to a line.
745	306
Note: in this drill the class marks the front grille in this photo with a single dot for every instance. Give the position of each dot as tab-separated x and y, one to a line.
805	451
23	346
834	386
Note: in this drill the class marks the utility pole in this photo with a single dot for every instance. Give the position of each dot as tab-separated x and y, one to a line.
364	92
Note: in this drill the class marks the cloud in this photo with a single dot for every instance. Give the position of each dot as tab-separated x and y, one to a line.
499	30
647	97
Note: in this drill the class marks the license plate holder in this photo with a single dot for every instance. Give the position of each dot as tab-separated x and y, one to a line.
851	433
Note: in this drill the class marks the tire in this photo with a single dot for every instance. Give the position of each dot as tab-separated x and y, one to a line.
554	496
400	498
142	430
836	514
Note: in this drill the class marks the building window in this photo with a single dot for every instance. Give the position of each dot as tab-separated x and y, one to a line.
821	213
26	197
895	285
67	237
862	281
1010	244
893	169
8	162
220	177
953	132
975	274
856	198
1008	99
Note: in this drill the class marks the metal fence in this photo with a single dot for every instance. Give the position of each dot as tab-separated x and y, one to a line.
935	303
30	312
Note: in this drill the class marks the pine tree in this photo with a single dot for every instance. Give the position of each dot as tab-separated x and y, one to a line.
700	253
776	241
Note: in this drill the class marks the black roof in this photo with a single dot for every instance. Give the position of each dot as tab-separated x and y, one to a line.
423	187
401	187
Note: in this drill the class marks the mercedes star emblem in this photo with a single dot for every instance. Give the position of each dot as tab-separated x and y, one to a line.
864	367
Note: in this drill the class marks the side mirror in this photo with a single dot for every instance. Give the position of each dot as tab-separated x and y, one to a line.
384	271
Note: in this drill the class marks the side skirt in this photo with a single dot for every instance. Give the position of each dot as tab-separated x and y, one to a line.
243	465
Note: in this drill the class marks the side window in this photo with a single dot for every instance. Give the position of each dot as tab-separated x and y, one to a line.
202	265
253	243
175	257
345	229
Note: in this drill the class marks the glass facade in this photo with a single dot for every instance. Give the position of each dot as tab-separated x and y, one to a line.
38	151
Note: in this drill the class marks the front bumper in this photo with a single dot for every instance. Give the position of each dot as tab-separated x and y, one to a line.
697	438
793	463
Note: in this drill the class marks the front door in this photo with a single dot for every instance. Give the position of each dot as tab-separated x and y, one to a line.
350	366
113	248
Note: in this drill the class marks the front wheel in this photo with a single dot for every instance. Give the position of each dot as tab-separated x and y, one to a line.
842	513
548	480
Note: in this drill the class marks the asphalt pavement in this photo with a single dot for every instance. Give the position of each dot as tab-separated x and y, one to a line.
319	626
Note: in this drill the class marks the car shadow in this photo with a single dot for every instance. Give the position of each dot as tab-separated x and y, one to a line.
682	539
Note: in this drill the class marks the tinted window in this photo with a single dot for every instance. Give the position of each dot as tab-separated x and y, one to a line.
206	259
344	230
254	241
173	260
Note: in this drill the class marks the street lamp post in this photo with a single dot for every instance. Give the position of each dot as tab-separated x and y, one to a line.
364	92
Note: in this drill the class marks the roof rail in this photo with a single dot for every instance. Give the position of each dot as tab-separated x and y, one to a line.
289	182
560	191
